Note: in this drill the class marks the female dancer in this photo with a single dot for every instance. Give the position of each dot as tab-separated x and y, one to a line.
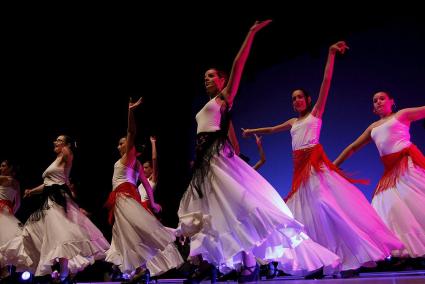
334	212
400	194
150	171
10	199
229	211
58	230
140	243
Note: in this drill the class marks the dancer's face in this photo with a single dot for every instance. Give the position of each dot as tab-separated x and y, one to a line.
122	146
4	169
382	104
213	83
59	143
147	169
299	101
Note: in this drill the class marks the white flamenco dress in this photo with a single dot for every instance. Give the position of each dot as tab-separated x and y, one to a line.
51	233
400	195
138	238
334	212
235	210
11	249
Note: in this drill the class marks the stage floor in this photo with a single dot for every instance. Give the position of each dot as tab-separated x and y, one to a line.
402	277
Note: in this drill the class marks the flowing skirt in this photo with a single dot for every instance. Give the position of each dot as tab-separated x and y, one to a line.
402	209
11	250
240	211
138	238
69	235
338	216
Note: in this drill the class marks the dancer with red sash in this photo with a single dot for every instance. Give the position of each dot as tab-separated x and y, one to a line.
399	196
11	229
57	232
230	212
335	213
140	243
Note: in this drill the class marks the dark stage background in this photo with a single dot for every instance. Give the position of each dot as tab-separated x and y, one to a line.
73	74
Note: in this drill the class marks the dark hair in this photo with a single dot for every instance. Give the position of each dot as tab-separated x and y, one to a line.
13	166
388	94
8	163
221	74
147	161
68	140
306	96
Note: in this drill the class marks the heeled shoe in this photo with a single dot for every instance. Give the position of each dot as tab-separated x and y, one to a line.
317	274
351	273
231	276
203	272
253	276
55	277
271	270
4	273
142	276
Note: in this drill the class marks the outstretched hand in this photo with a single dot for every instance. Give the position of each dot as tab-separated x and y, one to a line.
245	132
27	193
258	25
340	47
132	105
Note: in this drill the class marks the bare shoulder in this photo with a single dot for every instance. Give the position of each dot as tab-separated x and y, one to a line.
292	121
401	112
376	124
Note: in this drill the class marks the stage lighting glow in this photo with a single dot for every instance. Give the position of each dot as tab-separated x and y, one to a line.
26	275
126	276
